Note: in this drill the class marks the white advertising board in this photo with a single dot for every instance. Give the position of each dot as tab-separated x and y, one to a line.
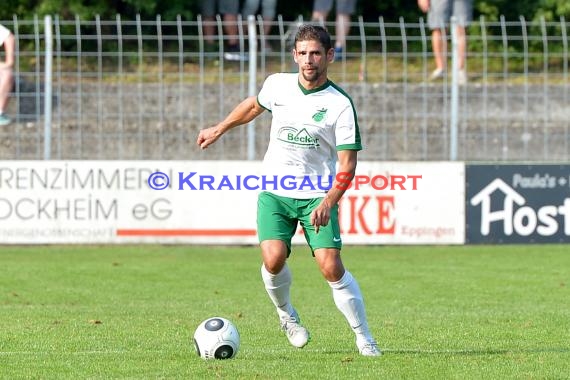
406	203
214	202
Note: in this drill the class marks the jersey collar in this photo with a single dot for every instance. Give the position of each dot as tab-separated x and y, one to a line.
307	92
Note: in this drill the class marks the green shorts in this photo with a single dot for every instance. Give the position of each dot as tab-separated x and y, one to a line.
277	219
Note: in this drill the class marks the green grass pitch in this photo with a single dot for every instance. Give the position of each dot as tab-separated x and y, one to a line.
456	312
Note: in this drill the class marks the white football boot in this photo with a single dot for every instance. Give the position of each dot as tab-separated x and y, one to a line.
368	348
296	333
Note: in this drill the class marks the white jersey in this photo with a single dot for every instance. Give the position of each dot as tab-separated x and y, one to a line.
4	33
307	129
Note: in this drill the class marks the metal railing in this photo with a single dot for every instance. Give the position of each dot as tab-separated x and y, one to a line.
141	89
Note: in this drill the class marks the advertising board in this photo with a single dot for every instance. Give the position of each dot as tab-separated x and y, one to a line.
215	202
518	203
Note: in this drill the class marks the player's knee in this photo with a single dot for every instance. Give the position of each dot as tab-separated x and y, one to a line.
273	266
274	258
333	275
332	270
274	269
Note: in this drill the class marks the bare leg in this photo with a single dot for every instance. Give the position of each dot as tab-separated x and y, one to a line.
6	81
342	29
461	46
231	28
209	30
267	26
439	45
330	263
274	254
319	16
267	31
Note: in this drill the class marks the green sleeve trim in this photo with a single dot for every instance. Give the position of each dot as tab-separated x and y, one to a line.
261	105
356	126
349	147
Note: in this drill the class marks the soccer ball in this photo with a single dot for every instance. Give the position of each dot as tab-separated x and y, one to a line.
216	338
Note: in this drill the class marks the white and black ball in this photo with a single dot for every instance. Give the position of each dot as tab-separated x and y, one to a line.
216	338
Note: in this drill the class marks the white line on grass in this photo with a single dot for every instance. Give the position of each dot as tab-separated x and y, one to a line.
95	352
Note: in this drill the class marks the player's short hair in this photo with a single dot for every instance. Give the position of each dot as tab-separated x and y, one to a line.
310	32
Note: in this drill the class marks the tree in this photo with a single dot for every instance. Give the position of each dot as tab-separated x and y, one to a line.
371	10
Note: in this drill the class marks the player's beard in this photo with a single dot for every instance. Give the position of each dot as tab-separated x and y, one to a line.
312	76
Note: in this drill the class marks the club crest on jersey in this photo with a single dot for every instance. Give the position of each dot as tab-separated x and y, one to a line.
320	115
300	138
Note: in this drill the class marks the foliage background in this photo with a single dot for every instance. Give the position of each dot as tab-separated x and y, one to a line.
391	10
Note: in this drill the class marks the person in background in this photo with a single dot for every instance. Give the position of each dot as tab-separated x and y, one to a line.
6	72
229	9
344	9
439	14
268	11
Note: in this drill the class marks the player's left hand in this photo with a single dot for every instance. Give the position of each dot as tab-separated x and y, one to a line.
321	215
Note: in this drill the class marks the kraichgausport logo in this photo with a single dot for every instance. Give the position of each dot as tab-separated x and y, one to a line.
300	138
344	181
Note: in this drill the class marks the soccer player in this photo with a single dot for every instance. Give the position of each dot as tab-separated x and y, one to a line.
313	126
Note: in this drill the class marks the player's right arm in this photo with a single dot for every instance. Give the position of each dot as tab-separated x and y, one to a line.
245	112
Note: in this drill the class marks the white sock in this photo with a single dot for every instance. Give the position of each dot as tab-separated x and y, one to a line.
277	287
348	299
